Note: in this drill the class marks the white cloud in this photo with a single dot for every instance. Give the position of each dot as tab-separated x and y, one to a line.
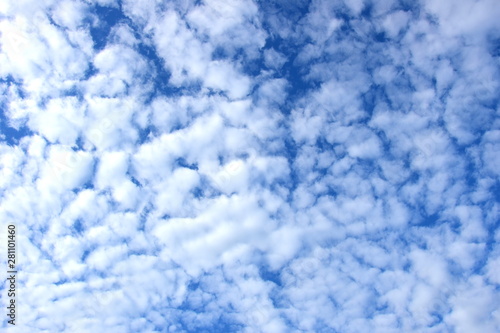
274	59
395	22
474	307
69	14
269	167
222	76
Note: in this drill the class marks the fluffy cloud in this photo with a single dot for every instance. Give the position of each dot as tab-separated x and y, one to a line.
224	166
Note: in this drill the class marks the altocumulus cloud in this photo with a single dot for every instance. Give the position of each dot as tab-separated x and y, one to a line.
252	166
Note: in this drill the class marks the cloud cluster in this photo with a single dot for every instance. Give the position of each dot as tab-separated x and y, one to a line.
247	166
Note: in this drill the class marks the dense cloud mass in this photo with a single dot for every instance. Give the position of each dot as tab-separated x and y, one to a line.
252	166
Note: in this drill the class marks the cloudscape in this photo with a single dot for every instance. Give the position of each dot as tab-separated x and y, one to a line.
250	166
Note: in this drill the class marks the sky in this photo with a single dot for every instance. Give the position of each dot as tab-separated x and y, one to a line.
251	166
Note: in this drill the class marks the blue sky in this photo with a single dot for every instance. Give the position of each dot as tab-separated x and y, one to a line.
252	166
